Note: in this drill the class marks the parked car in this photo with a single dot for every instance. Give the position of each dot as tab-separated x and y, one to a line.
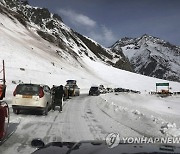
32	97
109	90
94	90
72	88
102	89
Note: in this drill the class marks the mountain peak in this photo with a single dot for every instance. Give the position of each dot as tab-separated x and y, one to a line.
151	56
145	35
148	37
51	28
126	38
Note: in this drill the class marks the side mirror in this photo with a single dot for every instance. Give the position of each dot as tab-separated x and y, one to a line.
37	143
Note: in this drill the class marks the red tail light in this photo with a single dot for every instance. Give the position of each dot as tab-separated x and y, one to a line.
14	93
41	92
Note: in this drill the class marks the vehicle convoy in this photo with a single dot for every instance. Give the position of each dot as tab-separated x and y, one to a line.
4	109
94	90
100	147
32	97
72	88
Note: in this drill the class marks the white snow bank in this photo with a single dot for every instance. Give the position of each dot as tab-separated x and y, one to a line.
170	129
148	115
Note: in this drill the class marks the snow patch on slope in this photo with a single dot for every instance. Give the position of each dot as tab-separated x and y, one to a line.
125	79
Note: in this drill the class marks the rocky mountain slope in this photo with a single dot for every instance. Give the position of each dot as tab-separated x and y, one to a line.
51	28
151	56
146	55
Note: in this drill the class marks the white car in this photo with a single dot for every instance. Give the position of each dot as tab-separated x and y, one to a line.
32	97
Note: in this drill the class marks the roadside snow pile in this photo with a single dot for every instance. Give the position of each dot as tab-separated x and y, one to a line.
170	129
141	114
136	112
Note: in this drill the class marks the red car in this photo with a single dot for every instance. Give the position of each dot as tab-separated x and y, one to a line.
4	109
4	119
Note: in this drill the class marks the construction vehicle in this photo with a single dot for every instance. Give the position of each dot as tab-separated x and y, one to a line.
4	108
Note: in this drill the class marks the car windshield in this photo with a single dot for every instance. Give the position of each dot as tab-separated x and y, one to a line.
79	70
94	88
71	81
27	89
70	86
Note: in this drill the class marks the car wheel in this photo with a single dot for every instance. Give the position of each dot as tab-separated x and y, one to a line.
45	111
50	107
16	111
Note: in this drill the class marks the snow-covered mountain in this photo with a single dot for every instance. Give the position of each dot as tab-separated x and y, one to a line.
51	28
39	48
38	54
151	56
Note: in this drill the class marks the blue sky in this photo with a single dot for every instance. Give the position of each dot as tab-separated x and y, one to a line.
107	21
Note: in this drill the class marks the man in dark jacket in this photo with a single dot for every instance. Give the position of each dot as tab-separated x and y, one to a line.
58	97
52	93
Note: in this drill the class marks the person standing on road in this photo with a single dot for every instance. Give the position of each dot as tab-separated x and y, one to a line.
58	97
52	94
